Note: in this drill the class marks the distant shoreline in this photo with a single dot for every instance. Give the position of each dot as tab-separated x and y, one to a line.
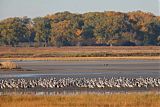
83	58
81	53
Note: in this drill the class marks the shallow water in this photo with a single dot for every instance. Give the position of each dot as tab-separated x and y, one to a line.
87	69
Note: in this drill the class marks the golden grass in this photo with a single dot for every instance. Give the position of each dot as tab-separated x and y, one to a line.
113	49
31	51
82	100
8	65
86	58
80	53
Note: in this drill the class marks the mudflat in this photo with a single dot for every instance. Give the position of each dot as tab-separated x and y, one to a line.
88	69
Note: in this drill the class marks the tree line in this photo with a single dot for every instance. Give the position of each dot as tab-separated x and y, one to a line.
89	29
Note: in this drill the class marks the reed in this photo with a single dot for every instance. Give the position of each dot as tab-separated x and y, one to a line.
82	100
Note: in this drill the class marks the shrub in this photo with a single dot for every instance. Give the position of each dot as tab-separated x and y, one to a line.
8	65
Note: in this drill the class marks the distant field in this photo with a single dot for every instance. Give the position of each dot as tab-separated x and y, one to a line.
82	100
88	51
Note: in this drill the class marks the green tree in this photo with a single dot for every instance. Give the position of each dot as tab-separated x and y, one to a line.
13	30
42	29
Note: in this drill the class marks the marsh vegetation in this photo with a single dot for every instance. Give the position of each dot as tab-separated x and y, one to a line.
83	100
8	65
76	53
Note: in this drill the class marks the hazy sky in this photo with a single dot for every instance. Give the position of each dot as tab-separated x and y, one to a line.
33	8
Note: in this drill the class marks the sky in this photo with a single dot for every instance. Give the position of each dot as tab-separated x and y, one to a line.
35	8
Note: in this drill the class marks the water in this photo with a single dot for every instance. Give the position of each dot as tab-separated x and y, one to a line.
87	69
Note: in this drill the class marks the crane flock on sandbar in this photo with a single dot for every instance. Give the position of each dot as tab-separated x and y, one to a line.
48	83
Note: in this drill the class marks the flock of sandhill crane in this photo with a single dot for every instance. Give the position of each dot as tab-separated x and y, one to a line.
121	82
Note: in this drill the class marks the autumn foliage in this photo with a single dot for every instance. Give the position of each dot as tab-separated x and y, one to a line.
92	28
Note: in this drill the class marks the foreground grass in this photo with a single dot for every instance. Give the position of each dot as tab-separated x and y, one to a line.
82	100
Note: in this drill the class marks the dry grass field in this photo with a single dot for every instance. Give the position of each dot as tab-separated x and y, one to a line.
90	52
82	100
